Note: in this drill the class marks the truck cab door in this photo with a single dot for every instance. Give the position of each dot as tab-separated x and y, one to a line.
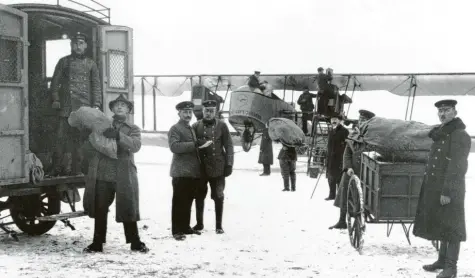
14	146
116	63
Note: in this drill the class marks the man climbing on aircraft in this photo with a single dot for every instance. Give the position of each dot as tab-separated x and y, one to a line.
254	83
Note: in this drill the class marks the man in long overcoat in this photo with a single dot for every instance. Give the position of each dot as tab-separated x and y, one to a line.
185	170
75	83
351	165
109	178
266	152
217	159
335	148
440	211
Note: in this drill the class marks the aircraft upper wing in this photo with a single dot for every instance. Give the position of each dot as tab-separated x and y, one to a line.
399	84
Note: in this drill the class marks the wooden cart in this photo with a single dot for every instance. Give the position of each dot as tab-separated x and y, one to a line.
386	193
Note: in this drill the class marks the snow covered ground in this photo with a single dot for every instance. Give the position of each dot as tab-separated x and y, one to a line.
269	233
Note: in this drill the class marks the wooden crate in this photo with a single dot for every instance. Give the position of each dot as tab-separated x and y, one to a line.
391	190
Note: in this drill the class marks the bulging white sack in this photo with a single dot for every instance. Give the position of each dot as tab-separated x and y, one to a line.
97	121
286	131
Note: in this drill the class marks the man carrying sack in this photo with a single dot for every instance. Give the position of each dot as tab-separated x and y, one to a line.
109	178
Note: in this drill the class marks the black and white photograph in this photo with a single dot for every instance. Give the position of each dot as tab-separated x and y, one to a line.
237	138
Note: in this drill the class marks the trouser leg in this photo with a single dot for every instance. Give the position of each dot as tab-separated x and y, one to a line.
131	232
188	196
293	176
285	172
451	259
440	263
105	192
177	205
266	169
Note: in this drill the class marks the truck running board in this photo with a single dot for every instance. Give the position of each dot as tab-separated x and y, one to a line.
61	216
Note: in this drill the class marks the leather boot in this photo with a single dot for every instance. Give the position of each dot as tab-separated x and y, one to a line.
218	207
266	170
94	247
200	207
286	184
440	263
451	258
341	224
293	181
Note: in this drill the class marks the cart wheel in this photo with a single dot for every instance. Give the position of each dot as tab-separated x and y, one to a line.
247	137
355	213
25	209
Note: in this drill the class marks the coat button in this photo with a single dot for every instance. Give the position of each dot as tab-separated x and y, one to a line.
443	142
438	150
435	157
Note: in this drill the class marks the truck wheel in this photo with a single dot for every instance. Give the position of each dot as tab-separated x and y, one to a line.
25	209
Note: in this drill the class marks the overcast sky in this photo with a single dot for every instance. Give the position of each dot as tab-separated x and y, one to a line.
238	36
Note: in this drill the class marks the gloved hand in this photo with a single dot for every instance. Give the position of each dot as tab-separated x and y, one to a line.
111	133
228	170
56	105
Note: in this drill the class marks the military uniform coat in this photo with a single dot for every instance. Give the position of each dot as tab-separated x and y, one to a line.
266	153
183	145
219	154
76	83
335	149
351	159
306	102
444	175
122	171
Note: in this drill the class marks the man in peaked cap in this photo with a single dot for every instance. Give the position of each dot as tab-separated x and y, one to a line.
185	170
324	92
366	115
254	84
110	179
217	159
75	83
440	214
351	166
